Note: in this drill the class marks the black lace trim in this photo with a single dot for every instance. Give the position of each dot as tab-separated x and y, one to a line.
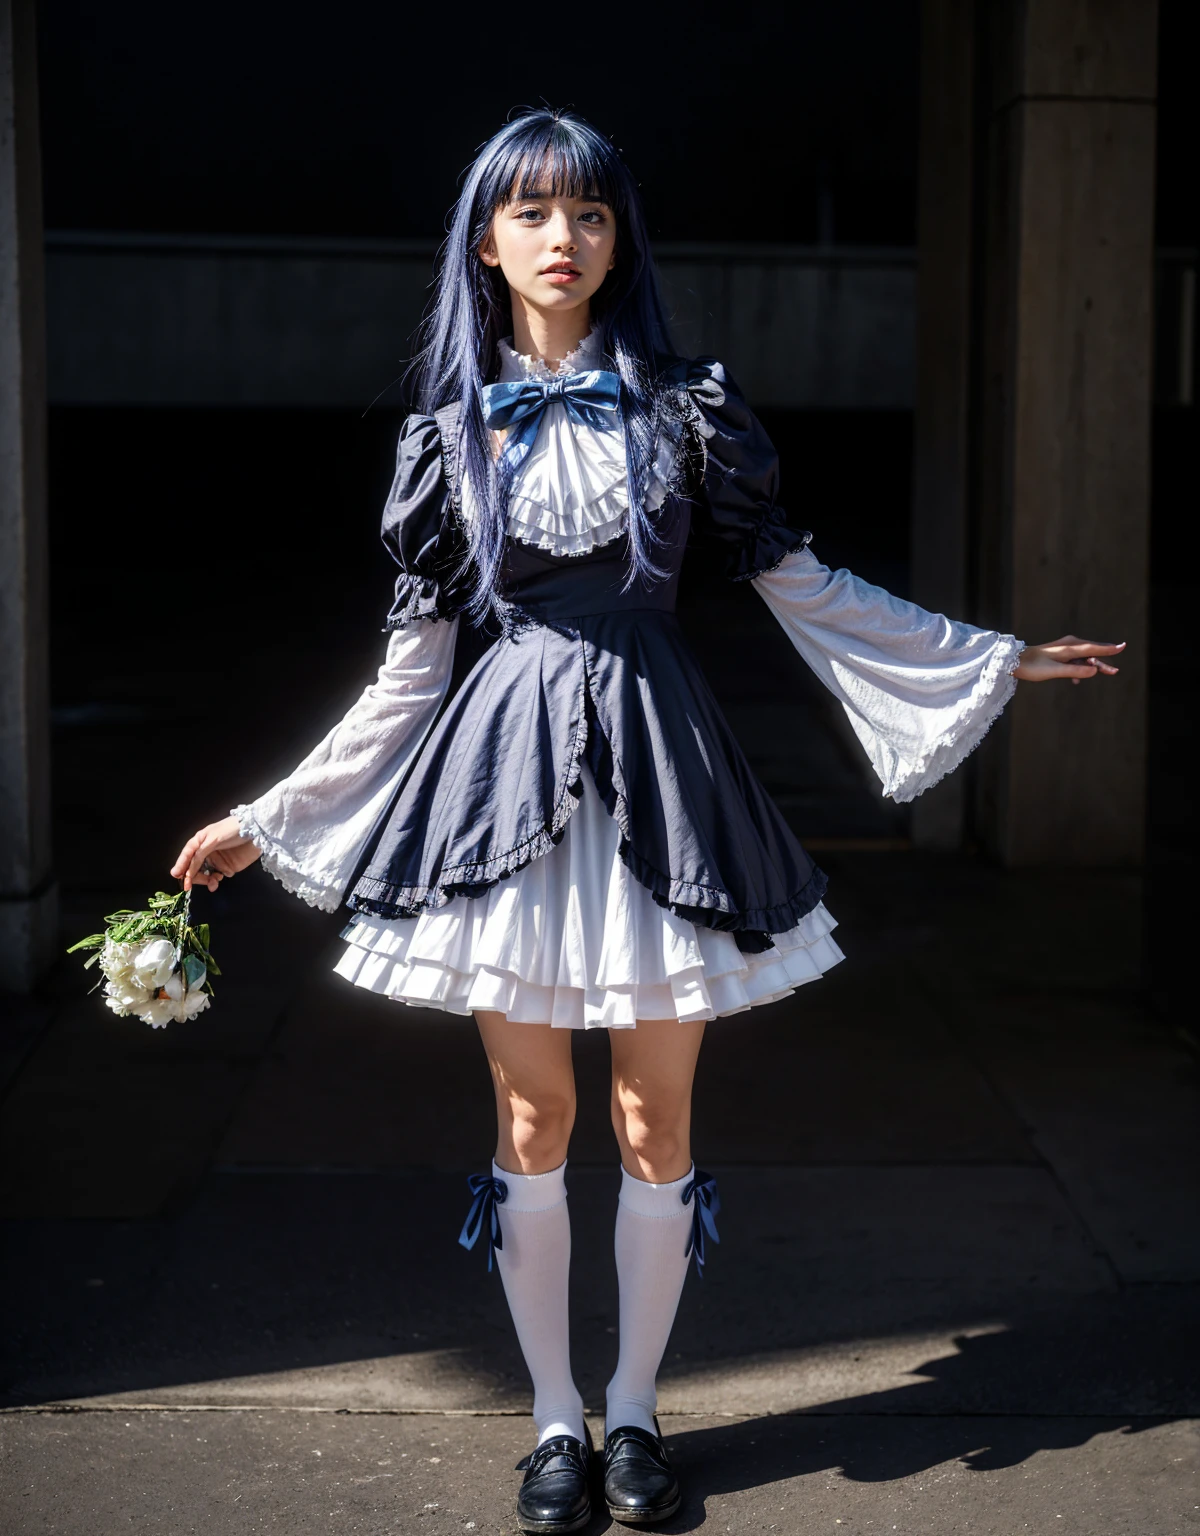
381	898
703	905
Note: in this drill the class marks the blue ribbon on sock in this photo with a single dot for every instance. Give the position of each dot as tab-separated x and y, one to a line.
701	1193
486	1194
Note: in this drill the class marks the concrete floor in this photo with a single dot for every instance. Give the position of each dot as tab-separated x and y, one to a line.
956	1288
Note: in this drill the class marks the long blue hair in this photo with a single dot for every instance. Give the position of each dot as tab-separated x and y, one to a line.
556	154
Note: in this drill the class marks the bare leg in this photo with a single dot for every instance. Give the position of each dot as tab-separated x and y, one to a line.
652	1071
653	1068
534	1080
535	1109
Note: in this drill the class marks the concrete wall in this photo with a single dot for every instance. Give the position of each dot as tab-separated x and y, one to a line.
167	320
227	320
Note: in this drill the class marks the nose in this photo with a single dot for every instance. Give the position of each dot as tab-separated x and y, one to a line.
562	234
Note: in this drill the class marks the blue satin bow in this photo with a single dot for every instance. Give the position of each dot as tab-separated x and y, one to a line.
701	1192
487	1193
519	405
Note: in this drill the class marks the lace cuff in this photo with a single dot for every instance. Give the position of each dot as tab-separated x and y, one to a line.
920	690
976	716
291	874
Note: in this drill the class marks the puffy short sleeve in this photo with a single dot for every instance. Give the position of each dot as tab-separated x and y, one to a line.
420	532
741	475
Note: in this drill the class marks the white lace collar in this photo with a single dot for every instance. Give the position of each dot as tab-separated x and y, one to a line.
519	365
571	494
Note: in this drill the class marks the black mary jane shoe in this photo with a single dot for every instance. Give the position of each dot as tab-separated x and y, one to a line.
639	1486
556	1493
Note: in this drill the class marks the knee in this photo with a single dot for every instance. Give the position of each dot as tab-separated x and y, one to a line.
653	1134
541	1131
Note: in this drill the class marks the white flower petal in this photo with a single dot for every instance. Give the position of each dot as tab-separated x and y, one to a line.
154	963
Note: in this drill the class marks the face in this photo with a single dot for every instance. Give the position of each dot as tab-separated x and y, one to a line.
554	251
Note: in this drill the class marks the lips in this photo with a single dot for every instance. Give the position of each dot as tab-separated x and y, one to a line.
561	272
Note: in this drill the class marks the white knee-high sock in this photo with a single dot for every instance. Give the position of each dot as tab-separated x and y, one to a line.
534	1263
653	1225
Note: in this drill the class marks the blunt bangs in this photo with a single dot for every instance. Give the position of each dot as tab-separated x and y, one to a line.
543	156
563	166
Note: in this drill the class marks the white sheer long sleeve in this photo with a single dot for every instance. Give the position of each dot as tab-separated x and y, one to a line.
311	826
920	690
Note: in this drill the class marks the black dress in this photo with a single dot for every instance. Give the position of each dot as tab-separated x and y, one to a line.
599	677
571	835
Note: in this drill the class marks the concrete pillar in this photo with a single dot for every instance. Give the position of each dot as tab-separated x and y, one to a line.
28	914
1064	441
1031	504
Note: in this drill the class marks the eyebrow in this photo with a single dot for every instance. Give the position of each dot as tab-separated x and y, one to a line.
538	195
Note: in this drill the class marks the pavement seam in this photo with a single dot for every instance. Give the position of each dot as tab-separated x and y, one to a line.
65	1409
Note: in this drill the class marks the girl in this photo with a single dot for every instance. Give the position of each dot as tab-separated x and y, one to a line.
574	839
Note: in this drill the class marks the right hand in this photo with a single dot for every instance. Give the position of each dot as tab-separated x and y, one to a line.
224	848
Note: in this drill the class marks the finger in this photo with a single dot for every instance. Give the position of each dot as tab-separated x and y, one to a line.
204	846
193	875
1090	648
1077	670
185	857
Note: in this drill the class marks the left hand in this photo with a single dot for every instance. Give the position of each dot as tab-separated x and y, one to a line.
1069	657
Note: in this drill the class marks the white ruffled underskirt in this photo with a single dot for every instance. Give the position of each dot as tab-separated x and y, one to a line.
573	940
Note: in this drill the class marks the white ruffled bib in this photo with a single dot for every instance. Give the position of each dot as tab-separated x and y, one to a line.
571	494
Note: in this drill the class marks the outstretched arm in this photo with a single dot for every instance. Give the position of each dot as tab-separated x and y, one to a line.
920	690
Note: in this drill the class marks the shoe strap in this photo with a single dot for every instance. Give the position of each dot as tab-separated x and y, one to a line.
562	1448
631	1436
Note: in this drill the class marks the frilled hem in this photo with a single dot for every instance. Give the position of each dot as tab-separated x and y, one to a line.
709	907
610	524
279	864
578	942
418	597
765	552
985	705
704	906
716	984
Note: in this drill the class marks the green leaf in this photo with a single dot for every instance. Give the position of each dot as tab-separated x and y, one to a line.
93	941
193	970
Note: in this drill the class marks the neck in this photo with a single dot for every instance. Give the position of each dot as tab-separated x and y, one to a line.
548	336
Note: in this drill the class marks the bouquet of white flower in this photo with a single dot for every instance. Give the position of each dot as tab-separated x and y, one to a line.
156	965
